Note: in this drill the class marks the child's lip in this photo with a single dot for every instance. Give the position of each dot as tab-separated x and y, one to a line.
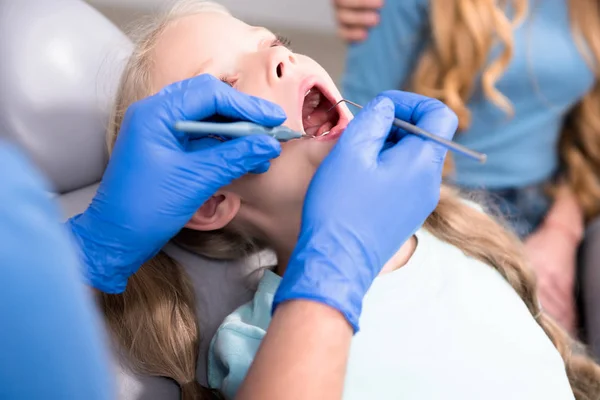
336	131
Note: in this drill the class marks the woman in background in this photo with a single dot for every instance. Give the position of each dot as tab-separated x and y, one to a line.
523	78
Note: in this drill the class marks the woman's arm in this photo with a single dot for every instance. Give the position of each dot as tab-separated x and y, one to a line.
385	61
306	347
552	252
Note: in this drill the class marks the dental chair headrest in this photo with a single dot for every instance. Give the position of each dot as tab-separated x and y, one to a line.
59	69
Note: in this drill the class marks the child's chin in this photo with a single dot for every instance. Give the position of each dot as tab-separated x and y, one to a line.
319	150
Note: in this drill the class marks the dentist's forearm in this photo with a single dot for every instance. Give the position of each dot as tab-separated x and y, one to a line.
303	355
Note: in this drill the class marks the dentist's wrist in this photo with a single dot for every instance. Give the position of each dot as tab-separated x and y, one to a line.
105	267
329	278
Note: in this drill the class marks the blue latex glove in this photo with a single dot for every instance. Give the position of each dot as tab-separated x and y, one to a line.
51	342
366	199
156	178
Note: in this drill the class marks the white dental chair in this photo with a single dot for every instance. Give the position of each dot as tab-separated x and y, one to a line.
60	62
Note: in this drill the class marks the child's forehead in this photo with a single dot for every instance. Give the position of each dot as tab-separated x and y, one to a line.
208	32
209	24
201	43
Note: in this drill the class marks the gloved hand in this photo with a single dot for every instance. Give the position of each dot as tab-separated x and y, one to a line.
365	200
52	341
156	178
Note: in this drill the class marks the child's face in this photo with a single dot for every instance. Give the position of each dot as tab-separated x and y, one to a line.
253	61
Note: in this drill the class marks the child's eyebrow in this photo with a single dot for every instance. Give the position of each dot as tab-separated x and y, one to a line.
275	39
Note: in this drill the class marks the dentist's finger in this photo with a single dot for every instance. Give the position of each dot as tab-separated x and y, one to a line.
251	154
366	134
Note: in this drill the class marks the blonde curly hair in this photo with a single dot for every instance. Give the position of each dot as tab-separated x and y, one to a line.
462	35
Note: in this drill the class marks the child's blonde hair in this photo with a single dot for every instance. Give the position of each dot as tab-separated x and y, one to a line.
154	319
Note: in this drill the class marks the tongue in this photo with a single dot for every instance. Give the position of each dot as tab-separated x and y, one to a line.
313	121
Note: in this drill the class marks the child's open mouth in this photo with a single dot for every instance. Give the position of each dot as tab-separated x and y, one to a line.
319	116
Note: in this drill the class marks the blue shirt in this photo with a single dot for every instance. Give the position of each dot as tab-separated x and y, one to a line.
545	79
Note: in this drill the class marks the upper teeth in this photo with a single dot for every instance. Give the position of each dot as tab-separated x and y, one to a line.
313	102
308	92
313	99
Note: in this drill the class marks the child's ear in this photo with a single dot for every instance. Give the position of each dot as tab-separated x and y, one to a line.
216	212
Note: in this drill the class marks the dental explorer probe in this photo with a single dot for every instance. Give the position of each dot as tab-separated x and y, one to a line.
232	130
415	130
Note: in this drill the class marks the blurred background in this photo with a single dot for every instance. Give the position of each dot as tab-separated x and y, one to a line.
308	24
